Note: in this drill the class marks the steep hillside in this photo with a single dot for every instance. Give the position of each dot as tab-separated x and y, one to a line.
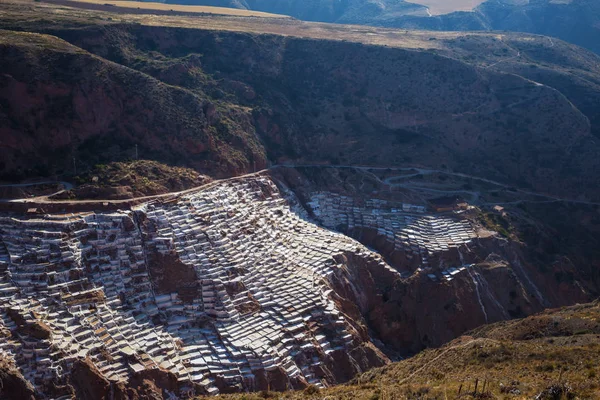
203	293
544	254
304	101
244	284
345	11
565	67
574	21
14	385
528	357
419	185
65	109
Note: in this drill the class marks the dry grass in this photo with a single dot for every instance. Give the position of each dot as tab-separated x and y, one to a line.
439	7
131	6
121	180
36	40
67	11
509	370
23	11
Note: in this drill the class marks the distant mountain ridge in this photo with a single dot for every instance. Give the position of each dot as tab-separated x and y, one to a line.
575	21
341	11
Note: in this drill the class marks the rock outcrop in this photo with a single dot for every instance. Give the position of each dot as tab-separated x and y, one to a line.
14	385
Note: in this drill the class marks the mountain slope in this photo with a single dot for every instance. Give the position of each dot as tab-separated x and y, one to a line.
324	101
477	204
63	105
207	292
554	63
344	11
575	21
243	285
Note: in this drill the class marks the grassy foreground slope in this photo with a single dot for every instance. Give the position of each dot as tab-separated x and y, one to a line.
553	355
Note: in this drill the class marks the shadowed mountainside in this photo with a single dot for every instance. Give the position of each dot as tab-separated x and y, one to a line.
224	102
63	105
575	21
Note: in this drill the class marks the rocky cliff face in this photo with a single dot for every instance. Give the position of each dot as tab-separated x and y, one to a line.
454	274
515	358
322	102
14	385
299	275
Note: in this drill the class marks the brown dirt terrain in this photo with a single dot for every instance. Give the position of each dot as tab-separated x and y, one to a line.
14	385
12	192
170	275
35	329
89	384
96	296
226	98
126	180
98	126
